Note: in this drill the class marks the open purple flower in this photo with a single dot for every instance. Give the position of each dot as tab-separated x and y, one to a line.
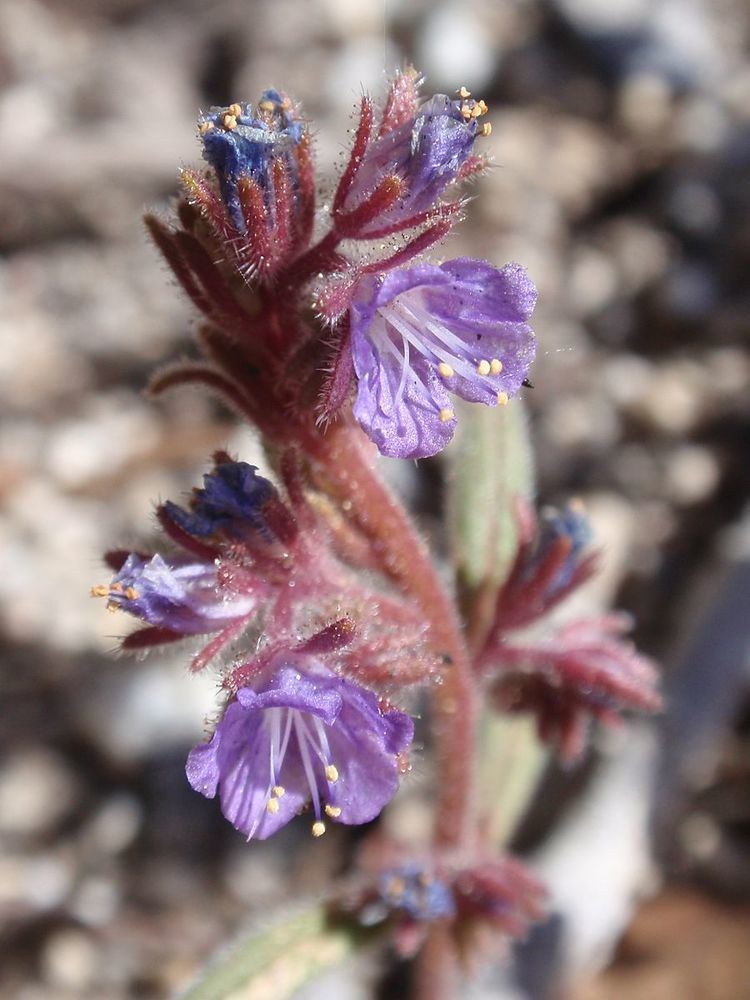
179	594
422	332
301	735
426	151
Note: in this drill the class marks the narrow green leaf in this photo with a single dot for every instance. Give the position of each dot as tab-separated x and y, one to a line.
273	962
491	464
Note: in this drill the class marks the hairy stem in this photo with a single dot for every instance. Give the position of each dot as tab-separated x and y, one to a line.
347	458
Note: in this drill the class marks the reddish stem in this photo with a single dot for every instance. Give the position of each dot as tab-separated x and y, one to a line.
347	457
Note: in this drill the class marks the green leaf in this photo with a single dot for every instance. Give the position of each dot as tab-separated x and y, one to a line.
491	464
273	962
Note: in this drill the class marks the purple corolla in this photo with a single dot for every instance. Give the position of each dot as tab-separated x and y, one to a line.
301	734
423	332
229	505
426	151
178	594
243	141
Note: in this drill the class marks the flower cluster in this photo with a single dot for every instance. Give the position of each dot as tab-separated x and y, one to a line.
295	731
397	338
564	675
315	599
487	898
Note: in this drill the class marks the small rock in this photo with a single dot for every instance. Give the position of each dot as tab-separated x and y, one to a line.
37	789
69	960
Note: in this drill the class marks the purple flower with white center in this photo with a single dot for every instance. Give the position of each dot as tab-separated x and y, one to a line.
179	594
230	504
301	735
422	332
427	151
242	141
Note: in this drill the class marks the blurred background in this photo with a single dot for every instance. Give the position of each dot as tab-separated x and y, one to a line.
621	143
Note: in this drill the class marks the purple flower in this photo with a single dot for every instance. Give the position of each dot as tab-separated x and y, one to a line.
242	141
230	504
417	893
300	735
422	332
571	525
180	595
427	151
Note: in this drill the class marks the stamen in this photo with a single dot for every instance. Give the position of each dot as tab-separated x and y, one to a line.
463	93
496	366
401	317
446	415
116	588
206	127
333	811
278	791
272	806
483	109
465	111
318	828
445	370
325	750
229	122
235	110
266	106
332	773
131	593
502	398
302	739
100	590
483	368
485	130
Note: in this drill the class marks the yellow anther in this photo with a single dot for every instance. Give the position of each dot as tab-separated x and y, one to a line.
333	811
445	370
483	109
465	111
446	415
502	398
100	590
396	886
476	111
272	806
496	366
332	772
266	106
278	791
485	130
483	368
131	593
235	110
112	606
463	93
205	127
116	588
229	122
318	828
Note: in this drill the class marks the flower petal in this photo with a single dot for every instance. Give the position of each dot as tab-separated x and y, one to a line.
364	744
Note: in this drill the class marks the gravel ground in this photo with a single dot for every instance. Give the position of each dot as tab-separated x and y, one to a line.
621	141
